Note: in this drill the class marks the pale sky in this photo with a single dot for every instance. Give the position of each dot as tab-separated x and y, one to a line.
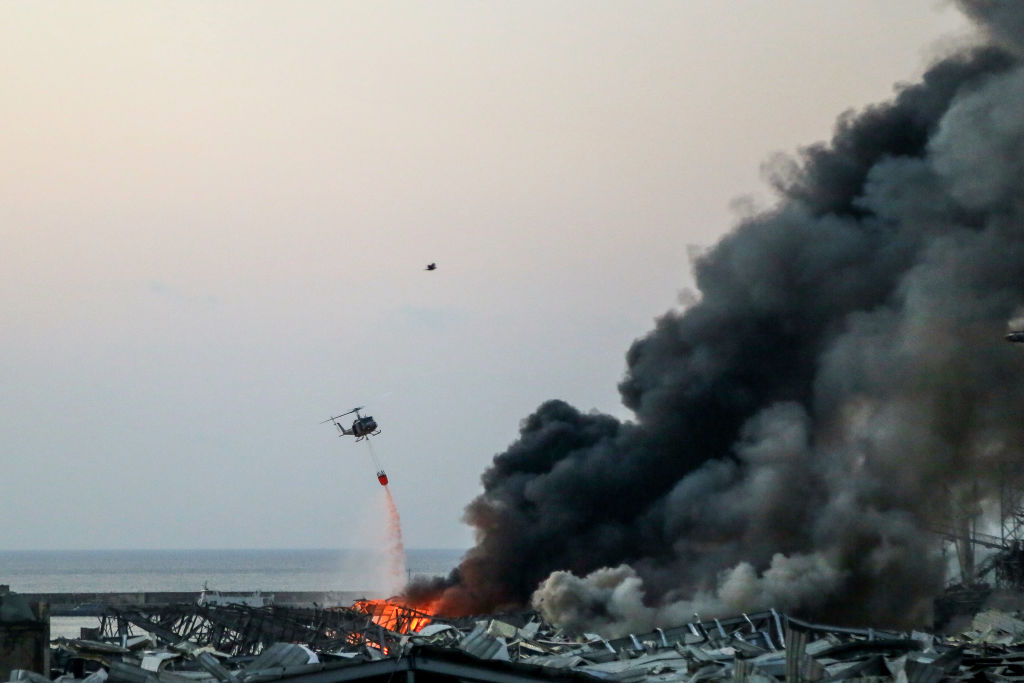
216	216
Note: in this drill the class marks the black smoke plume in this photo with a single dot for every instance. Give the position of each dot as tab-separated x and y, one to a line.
838	389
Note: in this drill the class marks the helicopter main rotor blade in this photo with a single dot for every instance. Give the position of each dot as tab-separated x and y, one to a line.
331	419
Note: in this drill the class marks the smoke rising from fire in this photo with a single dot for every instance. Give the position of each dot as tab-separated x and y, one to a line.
838	388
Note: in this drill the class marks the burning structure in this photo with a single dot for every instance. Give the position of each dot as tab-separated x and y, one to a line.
344	645
833	402
836	390
240	630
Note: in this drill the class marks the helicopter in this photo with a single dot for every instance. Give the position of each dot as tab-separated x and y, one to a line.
362	427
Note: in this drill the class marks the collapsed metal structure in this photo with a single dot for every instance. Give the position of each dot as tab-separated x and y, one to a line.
987	562
767	647
240	630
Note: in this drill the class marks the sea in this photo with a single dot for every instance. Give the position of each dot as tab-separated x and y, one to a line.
103	571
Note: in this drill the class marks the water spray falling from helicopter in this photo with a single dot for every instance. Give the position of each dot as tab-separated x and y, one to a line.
363	427
396	547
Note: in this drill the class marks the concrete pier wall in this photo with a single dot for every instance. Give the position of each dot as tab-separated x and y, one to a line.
71	604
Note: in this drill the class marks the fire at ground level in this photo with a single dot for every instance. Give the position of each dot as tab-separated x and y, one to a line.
213	636
373	640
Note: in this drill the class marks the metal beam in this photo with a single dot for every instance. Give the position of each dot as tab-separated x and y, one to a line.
417	662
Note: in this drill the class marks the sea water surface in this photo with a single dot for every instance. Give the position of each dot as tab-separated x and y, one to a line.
99	571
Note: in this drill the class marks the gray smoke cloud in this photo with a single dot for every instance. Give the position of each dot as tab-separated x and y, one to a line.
838	387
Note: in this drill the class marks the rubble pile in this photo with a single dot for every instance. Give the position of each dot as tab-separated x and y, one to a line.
519	648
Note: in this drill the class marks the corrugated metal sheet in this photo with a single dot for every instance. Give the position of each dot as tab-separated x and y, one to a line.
482	645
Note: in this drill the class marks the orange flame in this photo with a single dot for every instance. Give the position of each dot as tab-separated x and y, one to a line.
394	616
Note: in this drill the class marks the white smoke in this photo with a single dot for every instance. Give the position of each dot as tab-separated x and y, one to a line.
610	601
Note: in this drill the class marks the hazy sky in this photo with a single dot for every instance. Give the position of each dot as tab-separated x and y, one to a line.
216	217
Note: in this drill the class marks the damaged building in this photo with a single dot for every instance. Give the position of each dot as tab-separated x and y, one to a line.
24	634
834	399
385	642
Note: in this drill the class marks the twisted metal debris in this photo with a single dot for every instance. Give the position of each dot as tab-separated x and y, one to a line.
237	643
